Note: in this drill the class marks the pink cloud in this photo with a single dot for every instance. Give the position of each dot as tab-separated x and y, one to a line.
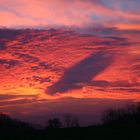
62	13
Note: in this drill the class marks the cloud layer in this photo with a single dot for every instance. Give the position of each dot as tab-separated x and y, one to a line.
79	13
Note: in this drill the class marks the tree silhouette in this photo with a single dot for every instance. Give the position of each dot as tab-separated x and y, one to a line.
53	123
129	115
71	121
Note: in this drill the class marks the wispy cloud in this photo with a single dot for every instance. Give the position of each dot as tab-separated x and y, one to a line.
69	13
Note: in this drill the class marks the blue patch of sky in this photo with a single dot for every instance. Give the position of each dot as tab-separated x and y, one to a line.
124	5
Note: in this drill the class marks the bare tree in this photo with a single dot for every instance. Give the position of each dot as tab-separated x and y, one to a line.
120	116
71	121
54	123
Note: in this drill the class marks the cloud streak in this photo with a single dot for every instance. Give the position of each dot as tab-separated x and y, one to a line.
82	73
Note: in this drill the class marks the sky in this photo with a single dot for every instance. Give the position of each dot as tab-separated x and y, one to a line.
124	14
85	59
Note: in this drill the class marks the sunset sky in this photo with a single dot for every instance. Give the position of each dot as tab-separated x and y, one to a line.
77	56
79	13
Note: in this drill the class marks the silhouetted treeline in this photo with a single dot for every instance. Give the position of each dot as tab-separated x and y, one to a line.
69	121
118	124
126	116
53	123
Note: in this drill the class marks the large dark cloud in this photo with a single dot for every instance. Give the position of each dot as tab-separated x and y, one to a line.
83	72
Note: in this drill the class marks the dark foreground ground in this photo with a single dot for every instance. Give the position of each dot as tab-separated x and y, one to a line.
87	133
121	124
